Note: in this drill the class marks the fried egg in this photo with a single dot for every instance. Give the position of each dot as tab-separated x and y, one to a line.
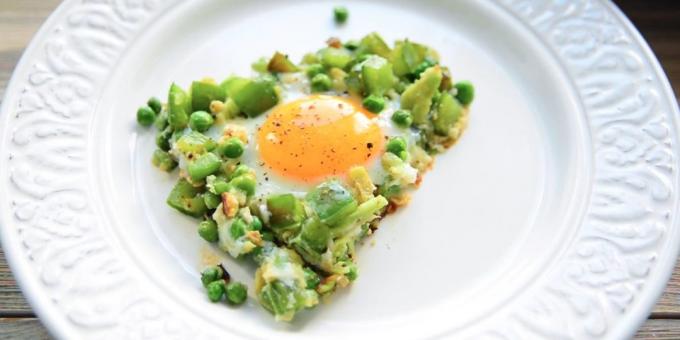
310	137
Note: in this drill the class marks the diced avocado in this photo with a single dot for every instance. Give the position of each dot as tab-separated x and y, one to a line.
405	58
335	57
281	64
448	112
377	76
418	96
187	199
203	92
373	43
179	107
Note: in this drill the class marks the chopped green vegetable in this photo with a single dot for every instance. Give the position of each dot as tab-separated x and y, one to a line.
252	97
163	160
374	44
418	96
211	200
285	209
340	13
335	57
377	76
203	93
208	230
145	116
187	199
374	103
195	143
448	112
281	64
311	278
163	139
314	69
179	107
331	201
203	166
465	92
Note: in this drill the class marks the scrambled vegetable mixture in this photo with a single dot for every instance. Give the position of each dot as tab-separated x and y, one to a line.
304	243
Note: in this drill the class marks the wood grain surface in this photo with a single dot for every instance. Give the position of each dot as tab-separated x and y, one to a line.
657	20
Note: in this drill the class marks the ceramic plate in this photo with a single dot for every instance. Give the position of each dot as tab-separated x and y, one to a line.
555	216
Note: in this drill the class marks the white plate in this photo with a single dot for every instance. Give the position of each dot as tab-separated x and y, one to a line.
554	217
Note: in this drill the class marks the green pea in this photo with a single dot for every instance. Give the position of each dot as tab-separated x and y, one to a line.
145	116
232	148
397	146
155	104
237	228
200	121
402	118
321	82
244	183
340	13
236	292
210	274
422	67
241	169
314	69
352	45
215	290
208	230
466	92
311	278
353	273
163	139
267	236
256	224
211	200
163	160
374	103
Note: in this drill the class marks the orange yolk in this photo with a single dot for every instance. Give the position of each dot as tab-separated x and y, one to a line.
318	136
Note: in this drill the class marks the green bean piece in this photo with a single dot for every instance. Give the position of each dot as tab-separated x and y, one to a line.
163	139
231	148
179	107
321	83
314	69
373	43
161	121
203	93
187	199
448	112
215	290
311	278
466	92
145	116
155	104
402	118
211	200
236	292
374	103
335	57
201	121
211	274
281	64
340	13
377	76
208	230
163	160
203	166
397	146
245	183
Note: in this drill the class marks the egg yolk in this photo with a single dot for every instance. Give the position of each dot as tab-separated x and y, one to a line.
318	136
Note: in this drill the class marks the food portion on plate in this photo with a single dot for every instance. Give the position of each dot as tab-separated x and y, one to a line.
295	165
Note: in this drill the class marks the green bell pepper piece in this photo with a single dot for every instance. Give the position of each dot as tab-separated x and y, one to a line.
252	97
187	199
203	93
377	76
195	143
373	43
203	166
179	107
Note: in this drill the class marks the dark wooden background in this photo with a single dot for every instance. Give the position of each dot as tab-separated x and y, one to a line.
658	20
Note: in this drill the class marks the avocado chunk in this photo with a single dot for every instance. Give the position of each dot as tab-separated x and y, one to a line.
448	112
418	96
377	76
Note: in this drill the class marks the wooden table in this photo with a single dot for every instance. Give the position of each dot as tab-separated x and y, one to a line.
658	20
